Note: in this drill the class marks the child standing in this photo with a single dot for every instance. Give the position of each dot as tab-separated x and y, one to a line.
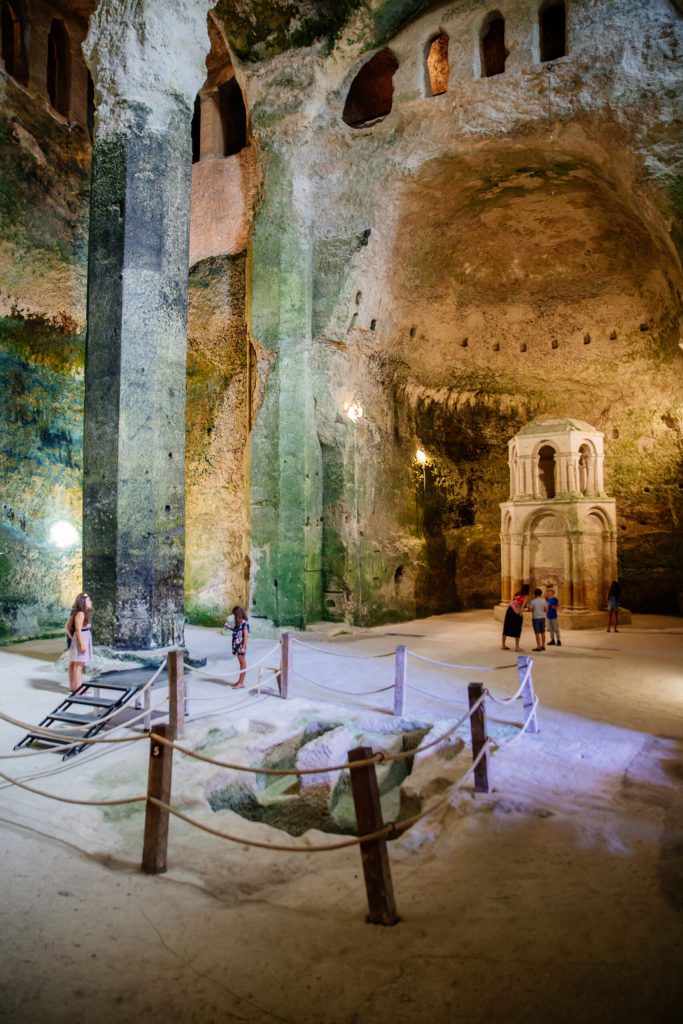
552	604
537	605
240	633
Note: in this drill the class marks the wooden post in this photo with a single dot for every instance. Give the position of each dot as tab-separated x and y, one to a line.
176	694
479	738
374	855
155	844
524	663
400	680
286	665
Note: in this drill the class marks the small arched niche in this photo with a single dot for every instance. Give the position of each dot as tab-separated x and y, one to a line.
233	117
371	94
587	469
196	130
436	65
13	49
547	471
492	45
58	67
552	30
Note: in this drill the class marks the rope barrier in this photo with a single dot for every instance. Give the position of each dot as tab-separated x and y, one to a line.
377	758
464	668
515	696
250	668
71	800
352	841
435	696
523	728
63	747
263	771
391	828
346	693
401	826
77	740
336	654
232	708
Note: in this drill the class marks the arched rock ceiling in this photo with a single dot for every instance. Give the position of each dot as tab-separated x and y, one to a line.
505	245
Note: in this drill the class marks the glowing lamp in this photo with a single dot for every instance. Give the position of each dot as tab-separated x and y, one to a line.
64	535
421	457
355	411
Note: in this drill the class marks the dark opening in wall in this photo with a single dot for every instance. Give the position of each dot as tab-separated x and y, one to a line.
493	52
552	30
437	65
196	130
13	50
234	116
546	471
58	70
90	108
372	90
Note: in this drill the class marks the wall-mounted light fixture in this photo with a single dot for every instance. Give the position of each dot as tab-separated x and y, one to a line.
355	411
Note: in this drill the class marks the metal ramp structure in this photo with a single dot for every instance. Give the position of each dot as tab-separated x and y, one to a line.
94	705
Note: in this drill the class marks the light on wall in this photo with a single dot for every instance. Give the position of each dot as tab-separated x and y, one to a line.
64	535
355	411
421	457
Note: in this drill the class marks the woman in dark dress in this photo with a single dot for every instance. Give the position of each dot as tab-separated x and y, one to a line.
514	617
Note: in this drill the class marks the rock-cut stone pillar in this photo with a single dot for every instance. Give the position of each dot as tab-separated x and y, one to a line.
147	62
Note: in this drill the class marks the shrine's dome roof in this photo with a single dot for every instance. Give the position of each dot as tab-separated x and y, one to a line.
555	425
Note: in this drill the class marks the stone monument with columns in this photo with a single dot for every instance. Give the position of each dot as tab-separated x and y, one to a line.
558	526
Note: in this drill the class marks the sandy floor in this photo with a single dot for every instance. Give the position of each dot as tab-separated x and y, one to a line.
558	897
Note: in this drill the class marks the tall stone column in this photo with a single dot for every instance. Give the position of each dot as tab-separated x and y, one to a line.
147	63
286	481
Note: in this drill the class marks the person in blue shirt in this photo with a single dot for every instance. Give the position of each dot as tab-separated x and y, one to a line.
552	604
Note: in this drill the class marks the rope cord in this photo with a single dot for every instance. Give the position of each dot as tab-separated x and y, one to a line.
336	654
347	693
523	728
401	826
95	739
77	740
71	800
515	696
352	841
377	758
264	679
465	668
391	828
250	668
264	771
435	696
233	708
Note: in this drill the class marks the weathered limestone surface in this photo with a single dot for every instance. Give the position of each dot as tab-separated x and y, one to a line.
216	533
223	199
285	454
503	251
134	449
44	169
